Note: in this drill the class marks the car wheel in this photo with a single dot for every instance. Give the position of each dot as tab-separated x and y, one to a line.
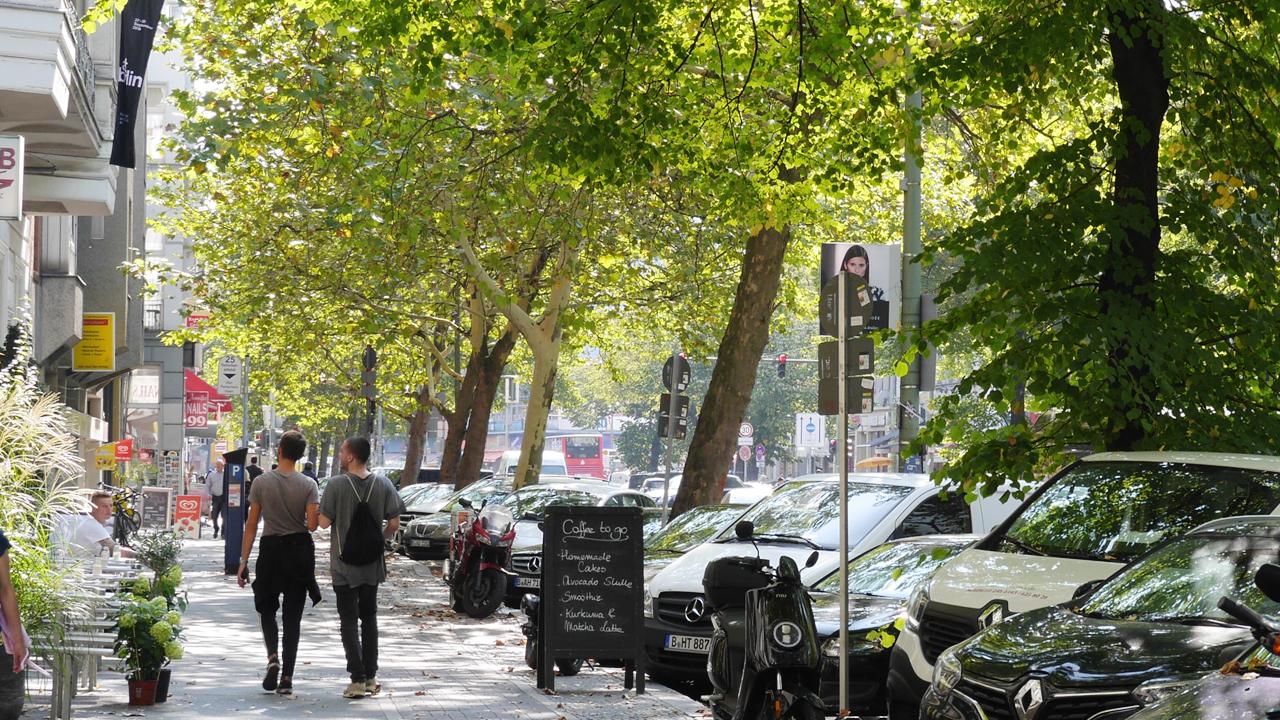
569	668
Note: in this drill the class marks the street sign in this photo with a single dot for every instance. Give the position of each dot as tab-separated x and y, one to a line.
664	425
230	372
744	453
12	155
196	410
96	351
746	429
681	402
124	450
858	306
811	431
678	367
195	320
859	391
105	457
859	357
759	452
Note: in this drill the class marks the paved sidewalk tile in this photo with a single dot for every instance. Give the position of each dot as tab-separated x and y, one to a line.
434	663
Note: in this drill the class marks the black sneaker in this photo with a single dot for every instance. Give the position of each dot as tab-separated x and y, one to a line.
273	672
286	687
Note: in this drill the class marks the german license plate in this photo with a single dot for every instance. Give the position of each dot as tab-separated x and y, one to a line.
688	644
419	543
528	582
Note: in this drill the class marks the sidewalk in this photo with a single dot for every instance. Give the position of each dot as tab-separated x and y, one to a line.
434	664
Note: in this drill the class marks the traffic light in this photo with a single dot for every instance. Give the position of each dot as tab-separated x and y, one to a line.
782	365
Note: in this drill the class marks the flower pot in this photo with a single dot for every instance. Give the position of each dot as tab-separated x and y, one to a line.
142	692
162	686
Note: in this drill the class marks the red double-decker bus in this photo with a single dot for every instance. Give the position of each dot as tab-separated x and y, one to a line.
583	453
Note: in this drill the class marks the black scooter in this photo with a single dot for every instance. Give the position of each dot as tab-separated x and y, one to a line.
530	605
763	661
1248	688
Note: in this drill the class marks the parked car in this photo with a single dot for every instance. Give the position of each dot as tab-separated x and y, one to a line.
420	500
736	492
529	503
880	582
795	520
1081	526
427	537
1140	636
660	548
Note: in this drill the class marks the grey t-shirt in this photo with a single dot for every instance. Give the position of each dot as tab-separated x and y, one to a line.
283	497
338	505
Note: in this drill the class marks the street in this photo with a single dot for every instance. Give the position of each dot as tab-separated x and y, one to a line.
434	664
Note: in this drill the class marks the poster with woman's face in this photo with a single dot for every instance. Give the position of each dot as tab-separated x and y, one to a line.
879	265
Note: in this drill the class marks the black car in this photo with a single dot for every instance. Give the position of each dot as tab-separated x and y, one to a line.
880	582
1143	634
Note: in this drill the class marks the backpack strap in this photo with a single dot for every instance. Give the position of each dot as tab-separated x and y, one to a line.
365	499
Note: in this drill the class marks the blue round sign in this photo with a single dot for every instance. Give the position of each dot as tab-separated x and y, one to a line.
810	427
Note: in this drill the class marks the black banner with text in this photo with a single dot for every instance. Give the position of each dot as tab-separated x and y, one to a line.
138	23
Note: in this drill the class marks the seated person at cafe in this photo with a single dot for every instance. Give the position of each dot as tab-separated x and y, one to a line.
86	535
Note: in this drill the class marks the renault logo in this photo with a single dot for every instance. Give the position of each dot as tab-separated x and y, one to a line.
991	615
787	634
694	611
535	564
1028	699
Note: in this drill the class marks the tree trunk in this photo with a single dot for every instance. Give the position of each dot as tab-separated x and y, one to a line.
416	444
734	377
335	466
1126	285
322	459
546	357
486	391
456	423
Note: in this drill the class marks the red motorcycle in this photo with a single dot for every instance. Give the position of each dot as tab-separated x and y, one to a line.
476	570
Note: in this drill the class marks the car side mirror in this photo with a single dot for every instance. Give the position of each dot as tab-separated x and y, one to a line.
465	503
813	560
744	529
542	527
1268	581
1087	588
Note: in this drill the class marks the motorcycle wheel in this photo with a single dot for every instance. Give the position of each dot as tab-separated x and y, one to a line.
569	668
482	593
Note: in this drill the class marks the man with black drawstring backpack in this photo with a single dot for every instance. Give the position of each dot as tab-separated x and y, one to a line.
363	510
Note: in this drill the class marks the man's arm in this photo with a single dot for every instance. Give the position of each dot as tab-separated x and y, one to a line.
313	516
393	524
250	532
324	520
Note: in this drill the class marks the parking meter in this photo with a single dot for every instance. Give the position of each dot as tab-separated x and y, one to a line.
235	509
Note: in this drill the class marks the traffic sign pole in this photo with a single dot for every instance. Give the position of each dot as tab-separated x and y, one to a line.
842	379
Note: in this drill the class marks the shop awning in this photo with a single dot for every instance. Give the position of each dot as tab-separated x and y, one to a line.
193	383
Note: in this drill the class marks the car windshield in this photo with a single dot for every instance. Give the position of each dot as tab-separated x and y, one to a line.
1116	511
407	494
811	510
692	528
533	501
430	498
892	570
491	490
1185	579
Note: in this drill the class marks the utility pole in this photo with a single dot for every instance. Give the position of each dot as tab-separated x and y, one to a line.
369	360
244	405
912	156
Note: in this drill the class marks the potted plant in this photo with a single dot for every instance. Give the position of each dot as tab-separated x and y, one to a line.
148	637
159	551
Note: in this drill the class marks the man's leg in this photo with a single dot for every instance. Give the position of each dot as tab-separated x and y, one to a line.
215	512
267	605
348	624
368	596
295	600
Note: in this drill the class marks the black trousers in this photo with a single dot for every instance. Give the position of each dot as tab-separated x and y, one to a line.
286	569
217	505
358	622
12	688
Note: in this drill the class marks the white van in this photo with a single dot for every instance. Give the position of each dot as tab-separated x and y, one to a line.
797	519
1080	527
552	464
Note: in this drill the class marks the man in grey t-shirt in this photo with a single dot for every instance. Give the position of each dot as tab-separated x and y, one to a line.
356	586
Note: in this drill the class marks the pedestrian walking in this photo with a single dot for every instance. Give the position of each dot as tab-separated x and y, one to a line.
309	469
217	484
13	656
364	510
287	502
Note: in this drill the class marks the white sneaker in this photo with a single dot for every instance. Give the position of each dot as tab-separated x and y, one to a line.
354	690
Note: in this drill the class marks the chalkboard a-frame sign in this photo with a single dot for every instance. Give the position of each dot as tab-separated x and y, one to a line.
592	589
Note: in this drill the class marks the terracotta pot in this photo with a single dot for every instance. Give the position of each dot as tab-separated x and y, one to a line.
142	692
162	685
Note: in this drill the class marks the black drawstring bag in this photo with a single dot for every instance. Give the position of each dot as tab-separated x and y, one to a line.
364	543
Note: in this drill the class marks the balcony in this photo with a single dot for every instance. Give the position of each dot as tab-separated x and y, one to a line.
52	94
